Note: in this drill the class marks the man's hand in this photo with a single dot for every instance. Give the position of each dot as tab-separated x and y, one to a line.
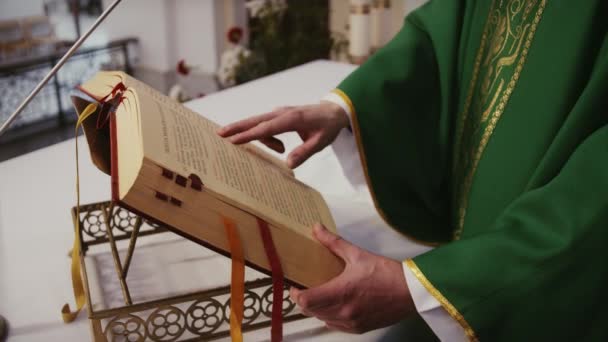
318	125
370	293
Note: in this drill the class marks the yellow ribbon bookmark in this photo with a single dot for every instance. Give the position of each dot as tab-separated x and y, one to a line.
237	287
67	314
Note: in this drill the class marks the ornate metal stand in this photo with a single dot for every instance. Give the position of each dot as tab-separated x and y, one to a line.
198	316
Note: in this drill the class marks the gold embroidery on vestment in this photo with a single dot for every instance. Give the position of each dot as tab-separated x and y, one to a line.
505	42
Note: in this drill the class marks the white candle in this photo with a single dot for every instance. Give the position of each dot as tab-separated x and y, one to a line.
360	27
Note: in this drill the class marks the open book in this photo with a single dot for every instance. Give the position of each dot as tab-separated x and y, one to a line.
168	164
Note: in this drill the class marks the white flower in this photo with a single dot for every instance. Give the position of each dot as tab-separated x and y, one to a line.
279	5
178	93
255	7
229	62
261	8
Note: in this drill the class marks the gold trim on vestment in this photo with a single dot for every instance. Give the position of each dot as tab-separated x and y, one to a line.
494	111
451	310
363	160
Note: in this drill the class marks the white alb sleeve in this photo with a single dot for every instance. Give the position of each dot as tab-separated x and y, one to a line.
436	317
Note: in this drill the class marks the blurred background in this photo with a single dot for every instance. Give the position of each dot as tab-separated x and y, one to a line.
184	48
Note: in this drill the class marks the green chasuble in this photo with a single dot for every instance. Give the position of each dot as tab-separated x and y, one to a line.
483	128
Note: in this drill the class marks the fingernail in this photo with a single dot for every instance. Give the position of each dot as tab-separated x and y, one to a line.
294	293
291	161
319	228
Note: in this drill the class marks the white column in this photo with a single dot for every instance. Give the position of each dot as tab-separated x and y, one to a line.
381	29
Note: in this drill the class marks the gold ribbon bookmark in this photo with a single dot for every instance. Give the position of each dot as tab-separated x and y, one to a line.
79	296
237	287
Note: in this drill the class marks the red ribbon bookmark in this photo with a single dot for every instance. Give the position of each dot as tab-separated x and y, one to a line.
277	282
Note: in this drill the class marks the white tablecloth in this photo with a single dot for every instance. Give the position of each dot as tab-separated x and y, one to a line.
37	192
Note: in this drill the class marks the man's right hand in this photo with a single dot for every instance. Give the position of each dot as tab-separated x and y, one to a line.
318	125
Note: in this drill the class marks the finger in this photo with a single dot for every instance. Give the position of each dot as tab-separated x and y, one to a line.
274	143
327	295
303	152
307	313
294	294
340	327
265	129
335	244
243	125
324	313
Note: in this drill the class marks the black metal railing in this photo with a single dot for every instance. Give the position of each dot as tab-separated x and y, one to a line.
52	108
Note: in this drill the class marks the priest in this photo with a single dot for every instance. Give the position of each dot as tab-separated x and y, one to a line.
482	129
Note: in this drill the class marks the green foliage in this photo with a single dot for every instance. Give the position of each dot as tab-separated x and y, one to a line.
283	39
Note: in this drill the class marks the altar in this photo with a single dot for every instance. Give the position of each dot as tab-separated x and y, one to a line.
37	191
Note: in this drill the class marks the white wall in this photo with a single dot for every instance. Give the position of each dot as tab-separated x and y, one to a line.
146	20
168	30
11	9
410	5
195	42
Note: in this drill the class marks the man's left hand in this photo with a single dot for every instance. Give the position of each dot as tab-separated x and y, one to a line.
370	293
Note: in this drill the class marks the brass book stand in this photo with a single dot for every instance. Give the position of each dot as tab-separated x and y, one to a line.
196	316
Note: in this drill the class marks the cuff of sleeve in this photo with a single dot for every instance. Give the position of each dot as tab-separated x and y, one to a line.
339	98
347	153
345	147
430	309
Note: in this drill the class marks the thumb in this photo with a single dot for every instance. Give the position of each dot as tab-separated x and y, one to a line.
334	243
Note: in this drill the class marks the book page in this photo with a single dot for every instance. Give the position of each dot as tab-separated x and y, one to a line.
187	143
